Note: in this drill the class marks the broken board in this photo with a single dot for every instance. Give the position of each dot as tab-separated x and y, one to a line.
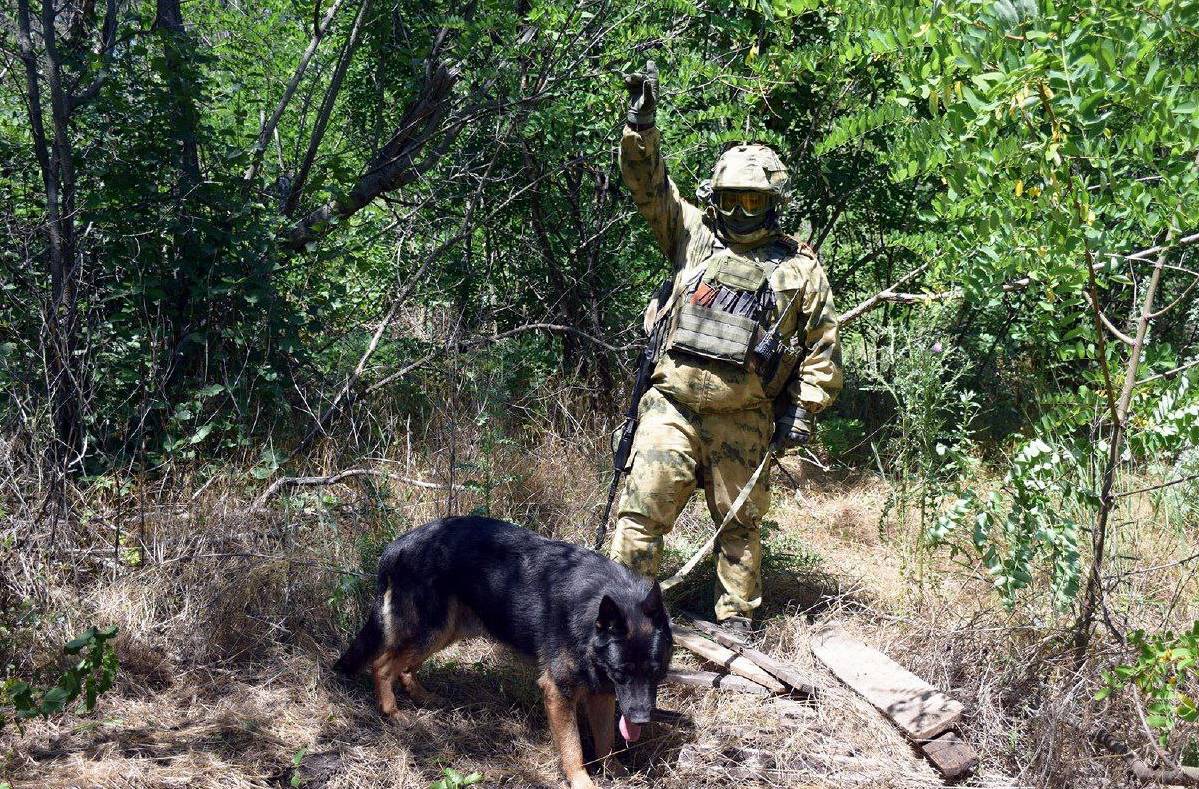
710	679
916	707
922	712
952	756
780	671
709	650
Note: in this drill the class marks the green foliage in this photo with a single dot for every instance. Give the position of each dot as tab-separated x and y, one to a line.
452	779
90	675
1164	669
1033	518
1059	140
295	767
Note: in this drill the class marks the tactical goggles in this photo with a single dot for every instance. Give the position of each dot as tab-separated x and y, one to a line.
752	202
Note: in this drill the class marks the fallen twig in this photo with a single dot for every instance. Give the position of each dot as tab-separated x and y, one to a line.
332	479
881	296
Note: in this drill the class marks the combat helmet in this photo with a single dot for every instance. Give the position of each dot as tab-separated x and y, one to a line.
747	187
750	167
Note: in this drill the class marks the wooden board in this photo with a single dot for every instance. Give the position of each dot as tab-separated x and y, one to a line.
733	663
952	756
780	671
710	679
916	707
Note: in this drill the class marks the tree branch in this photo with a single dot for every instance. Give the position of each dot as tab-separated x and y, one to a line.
108	42
1178	481
268	128
882	296
1169	373
325	111
333	479
1098	313
394	166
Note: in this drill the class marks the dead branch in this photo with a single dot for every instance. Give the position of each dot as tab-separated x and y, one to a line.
1169	373
292	199
344	393
333	479
891	294
1093	596
1111	327
396	165
882	296
479	342
1178	481
1145	254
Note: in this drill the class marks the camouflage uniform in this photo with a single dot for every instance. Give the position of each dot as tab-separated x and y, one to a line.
710	421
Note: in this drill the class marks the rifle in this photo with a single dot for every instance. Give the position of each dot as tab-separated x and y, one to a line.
645	370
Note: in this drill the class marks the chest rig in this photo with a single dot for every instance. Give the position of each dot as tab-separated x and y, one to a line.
723	313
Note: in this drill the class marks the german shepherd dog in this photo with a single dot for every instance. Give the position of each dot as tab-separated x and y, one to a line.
598	631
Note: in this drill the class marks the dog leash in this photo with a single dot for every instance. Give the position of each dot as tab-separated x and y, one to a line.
738	502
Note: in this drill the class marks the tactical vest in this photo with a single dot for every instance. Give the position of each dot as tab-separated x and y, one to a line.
722	310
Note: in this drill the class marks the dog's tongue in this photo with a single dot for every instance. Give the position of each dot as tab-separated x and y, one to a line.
629	730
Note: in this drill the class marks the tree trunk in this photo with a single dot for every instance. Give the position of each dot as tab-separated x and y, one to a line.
56	161
181	75
1118	407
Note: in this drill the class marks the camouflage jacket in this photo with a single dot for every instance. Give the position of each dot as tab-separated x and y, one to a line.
810	371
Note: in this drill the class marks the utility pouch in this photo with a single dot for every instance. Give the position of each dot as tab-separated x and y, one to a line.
714	334
718	318
735	273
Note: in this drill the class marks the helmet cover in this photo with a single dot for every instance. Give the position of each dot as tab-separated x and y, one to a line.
750	166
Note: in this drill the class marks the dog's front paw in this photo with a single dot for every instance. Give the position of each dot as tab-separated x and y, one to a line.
582	782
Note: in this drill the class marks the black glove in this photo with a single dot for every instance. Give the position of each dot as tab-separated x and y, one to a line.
643	96
792	428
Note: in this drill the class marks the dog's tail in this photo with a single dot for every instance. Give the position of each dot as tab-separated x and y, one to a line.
366	645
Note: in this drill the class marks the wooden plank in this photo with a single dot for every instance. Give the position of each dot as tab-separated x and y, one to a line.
793	713
710	679
952	756
916	707
780	671
697	644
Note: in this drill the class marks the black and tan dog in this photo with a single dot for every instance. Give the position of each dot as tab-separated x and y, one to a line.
599	632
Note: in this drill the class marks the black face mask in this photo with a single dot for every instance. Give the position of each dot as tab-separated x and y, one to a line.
743	224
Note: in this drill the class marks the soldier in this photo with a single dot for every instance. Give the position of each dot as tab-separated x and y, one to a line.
720	399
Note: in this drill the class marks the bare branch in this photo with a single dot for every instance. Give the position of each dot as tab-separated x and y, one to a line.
268	128
1178	481
326	110
108	42
881	296
395	165
1169	373
1145	254
333	479
1098	311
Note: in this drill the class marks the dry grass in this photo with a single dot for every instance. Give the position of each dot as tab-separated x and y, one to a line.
230	620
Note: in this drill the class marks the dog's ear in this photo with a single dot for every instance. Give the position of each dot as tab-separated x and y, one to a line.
611	619
652	606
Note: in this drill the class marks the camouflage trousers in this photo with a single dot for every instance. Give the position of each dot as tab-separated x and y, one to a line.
674	450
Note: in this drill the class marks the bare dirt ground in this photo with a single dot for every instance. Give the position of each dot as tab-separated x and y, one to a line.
229	623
